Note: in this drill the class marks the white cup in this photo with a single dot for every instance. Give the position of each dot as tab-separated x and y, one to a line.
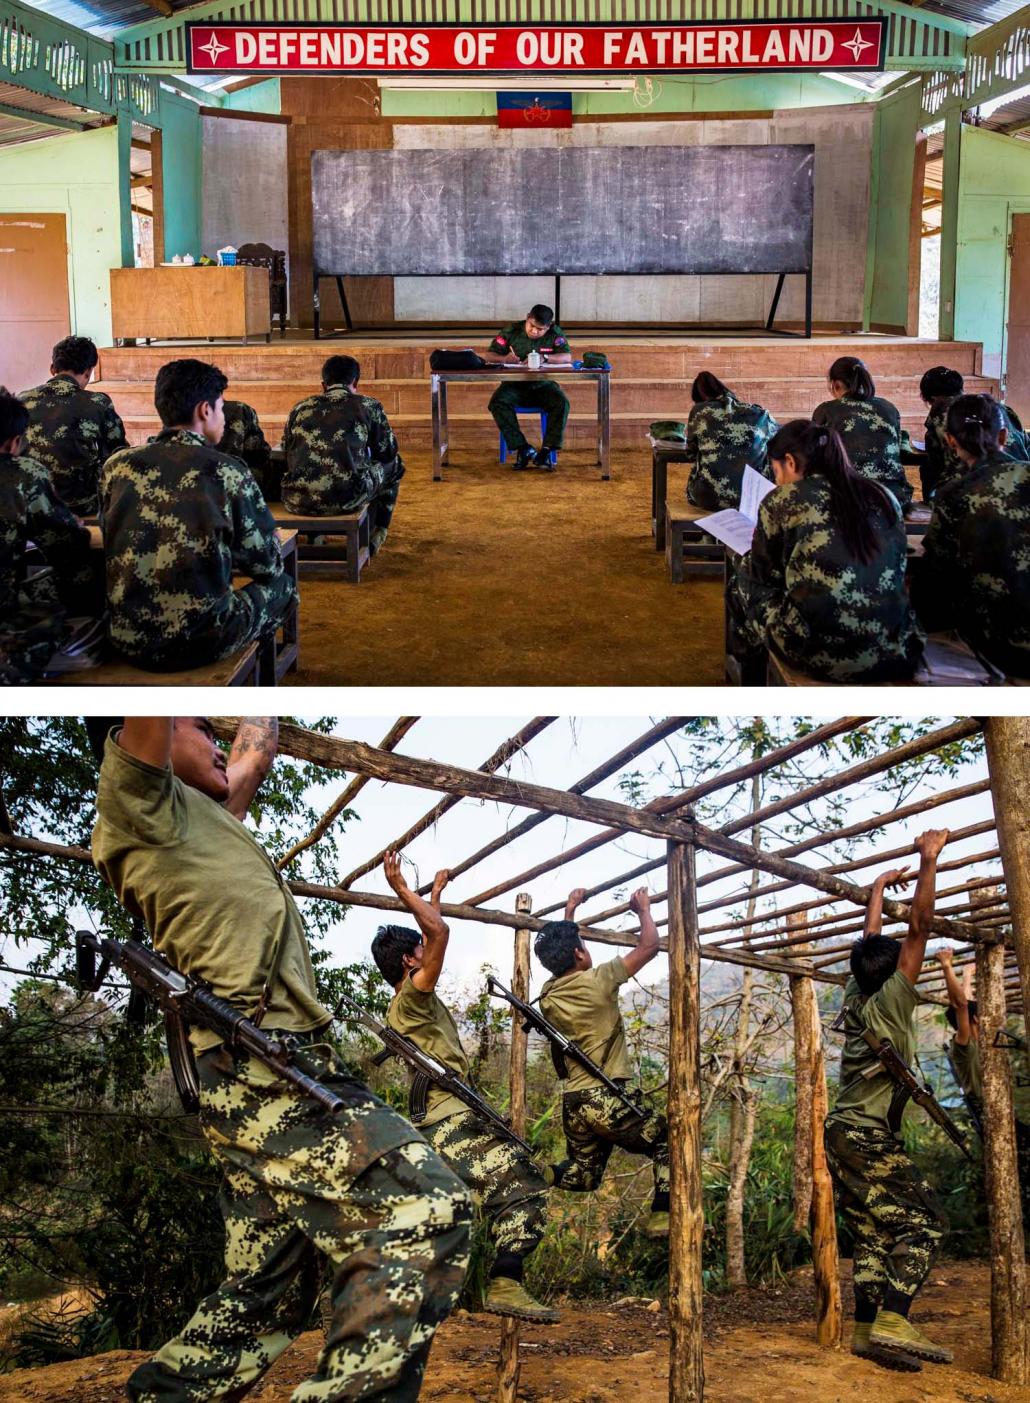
534	360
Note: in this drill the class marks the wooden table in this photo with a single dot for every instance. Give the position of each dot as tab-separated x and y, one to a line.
663	452
440	379
190	303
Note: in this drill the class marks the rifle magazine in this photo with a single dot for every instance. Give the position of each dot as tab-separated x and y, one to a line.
418	1096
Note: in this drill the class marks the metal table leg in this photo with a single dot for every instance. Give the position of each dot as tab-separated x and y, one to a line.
434	395
445	428
605	424
659	493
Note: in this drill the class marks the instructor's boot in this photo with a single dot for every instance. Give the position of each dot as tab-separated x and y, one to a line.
524	459
887	1358
657	1224
892	1331
509	1297
542	460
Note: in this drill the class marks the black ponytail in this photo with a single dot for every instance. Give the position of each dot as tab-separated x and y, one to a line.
850	372
707	386
856	501
975	422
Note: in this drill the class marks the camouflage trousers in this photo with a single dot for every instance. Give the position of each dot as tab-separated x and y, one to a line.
595	1122
508	1186
890	1210
361	1189
377	486
543	395
252	612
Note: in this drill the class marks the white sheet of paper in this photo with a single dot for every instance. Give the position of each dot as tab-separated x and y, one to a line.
754	489
731	527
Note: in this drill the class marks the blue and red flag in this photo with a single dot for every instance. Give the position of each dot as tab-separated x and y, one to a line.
534	110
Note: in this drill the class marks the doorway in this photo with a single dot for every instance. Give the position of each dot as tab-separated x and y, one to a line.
34	311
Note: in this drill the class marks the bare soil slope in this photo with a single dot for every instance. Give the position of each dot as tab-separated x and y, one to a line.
760	1349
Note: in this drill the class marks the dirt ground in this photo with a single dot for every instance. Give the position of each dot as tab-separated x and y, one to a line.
498	578
759	1349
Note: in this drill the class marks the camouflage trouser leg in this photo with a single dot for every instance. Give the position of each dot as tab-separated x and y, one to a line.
544	395
384	500
360	1189
895	1223
504	1180
256	610
594	1123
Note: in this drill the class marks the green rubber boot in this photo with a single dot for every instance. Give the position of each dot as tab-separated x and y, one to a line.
887	1358
657	1225
893	1332
508	1297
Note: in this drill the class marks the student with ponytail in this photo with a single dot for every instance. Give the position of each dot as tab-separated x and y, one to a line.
870	426
974	575
939	388
724	435
824	583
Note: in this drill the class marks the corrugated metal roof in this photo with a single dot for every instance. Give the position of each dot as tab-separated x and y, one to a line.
103	17
15	128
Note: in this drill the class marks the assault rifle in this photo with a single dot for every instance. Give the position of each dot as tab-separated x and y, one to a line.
427	1072
184	1001
907	1083
563	1049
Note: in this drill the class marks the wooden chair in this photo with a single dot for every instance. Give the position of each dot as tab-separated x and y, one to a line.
274	259
353	554
242	669
689	550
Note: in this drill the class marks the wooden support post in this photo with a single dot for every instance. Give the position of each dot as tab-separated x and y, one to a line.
686	1361
1008	759
1009	1357
509	1364
813	1193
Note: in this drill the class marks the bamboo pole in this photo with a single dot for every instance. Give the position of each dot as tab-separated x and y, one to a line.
509	1364
393	737
493	762
1009	1359
686	1359
1008	761
813	1203
602	772
674	803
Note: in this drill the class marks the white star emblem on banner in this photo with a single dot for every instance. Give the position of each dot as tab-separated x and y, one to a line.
857	45
213	48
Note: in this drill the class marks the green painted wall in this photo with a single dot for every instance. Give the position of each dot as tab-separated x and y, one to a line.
731	94
181	168
77	176
260	97
895	127
994	182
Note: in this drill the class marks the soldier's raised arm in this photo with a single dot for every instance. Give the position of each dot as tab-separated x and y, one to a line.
250	759
435	930
147	738
913	947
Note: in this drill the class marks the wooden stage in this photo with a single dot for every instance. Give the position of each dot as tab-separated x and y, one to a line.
651	377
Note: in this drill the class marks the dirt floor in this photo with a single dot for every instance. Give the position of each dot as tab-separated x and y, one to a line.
760	1349
495	578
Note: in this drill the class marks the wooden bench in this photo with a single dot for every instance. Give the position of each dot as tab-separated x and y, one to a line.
689	550
353	553
948	662
242	669
663	452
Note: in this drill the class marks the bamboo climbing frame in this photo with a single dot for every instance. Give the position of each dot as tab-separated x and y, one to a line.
802	940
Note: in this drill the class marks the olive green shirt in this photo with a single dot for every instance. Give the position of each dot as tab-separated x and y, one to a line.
865	1088
213	901
585	1007
968	1069
514	337
427	1021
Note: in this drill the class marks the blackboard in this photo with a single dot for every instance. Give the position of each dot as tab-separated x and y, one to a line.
603	209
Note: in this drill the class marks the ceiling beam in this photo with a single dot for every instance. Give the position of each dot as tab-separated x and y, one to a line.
43	118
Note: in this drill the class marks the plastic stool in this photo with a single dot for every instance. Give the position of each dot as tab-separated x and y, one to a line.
543	431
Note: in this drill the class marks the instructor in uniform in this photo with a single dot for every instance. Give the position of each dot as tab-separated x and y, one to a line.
539	332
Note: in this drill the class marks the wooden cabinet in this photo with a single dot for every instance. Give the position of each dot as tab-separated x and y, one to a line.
173	303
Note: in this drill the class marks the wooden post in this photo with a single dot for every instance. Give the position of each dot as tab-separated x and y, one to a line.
509	1364
1009	1358
686	1361
815	1196
1008	759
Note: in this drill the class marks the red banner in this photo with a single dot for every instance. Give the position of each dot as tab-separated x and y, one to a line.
518	49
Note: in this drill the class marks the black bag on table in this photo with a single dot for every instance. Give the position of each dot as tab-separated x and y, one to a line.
456	360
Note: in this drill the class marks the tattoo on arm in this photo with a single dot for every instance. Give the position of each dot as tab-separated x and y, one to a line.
256	734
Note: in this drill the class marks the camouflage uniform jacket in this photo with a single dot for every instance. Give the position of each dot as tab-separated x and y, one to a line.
807	596
244	439
179	518
30	510
331	441
975	572
72	432
871	430
513	337
723	437
944	463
